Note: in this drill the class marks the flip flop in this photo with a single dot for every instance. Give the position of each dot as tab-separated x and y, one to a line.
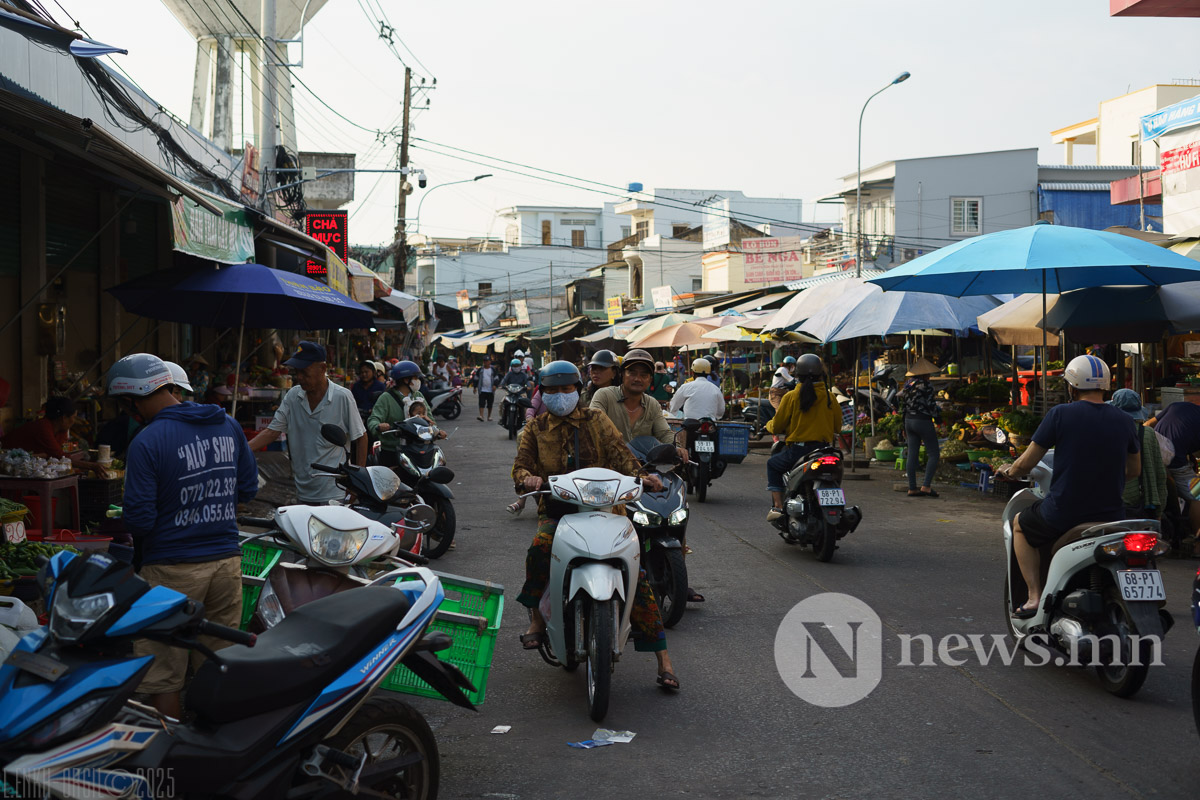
693	596
1025	613
532	641
515	509
915	494
479	418
668	681
930	493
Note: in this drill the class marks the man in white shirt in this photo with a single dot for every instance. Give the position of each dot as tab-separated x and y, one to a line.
699	398
485	382
308	405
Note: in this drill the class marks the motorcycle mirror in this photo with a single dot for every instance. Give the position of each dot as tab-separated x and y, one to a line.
333	434
419	517
441	474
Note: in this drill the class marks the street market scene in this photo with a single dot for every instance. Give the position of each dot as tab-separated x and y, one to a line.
831	474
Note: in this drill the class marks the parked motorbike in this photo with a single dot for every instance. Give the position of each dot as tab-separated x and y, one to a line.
289	713
882	398
594	566
1196	662
1103	601
758	411
512	408
660	519
706	463
444	400
815	510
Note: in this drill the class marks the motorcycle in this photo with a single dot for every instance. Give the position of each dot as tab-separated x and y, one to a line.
1103	599
815	510
758	411
881	398
705	462
660	519
444	400
512	408
594	566
1196	663
422	464
289	713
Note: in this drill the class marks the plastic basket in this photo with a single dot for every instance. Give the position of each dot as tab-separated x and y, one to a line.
258	559
95	496
470	614
733	439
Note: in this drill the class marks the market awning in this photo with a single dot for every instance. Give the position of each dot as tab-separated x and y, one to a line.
830	277
406	304
561	330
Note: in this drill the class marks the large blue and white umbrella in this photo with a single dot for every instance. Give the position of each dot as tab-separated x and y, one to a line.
867	310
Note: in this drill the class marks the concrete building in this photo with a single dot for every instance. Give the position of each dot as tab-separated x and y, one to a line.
530	226
1115	131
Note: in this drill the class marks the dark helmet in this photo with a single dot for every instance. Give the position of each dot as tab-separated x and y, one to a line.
716	362
405	369
809	364
603	358
560	373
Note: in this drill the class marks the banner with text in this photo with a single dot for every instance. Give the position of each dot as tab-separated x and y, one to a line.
772	259
614	309
1180	115
662	298
330	228
228	238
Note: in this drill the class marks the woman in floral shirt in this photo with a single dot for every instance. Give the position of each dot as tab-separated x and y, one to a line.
920	418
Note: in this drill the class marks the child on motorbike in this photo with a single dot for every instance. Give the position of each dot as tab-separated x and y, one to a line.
808	417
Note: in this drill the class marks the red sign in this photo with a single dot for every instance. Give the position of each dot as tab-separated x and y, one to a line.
330	228
1181	158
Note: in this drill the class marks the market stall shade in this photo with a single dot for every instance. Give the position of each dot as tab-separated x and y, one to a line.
655	324
684	334
1115	314
804	305
1017	321
867	310
738	333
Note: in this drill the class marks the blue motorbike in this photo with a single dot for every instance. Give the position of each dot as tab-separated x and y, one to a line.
287	714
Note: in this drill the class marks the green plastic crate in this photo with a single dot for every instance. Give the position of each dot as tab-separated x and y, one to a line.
470	614
258	559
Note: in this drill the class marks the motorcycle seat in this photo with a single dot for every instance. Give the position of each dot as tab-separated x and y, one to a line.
1077	534
292	662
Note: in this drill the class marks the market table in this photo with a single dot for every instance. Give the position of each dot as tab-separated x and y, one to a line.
44	488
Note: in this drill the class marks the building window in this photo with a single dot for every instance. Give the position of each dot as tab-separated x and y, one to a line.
485	290
545	231
625	231
697	284
966	216
643	228
577	238
679	230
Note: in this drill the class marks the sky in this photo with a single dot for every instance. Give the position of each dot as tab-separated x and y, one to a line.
761	97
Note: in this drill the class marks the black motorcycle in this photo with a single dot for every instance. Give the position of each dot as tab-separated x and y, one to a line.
758	411
422	465
815	510
660	519
704	454
512	408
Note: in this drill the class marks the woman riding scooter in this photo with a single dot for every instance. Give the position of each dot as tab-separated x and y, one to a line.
389	409
808	418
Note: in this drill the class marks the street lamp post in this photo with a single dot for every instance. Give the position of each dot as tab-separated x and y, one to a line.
901	78
417	221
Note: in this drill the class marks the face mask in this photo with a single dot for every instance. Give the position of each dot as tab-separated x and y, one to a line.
415	384
561	404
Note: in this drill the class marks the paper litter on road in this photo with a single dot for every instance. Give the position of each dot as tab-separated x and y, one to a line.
605	735
502	729
589	744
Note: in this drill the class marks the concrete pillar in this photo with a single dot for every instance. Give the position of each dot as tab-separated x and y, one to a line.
1070	151
255	94
223	95
34	383
108	314
200	85
287	111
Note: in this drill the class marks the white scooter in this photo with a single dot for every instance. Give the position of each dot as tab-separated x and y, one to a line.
594	566
334	545
1103	601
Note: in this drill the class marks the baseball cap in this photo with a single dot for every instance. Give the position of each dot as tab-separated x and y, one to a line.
309	353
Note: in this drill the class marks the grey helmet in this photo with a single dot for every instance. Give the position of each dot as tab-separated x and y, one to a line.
139	375
179	377
809	364
603	358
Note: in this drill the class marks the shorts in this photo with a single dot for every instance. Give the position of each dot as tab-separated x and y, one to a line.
1038	532
1183	477
485	400
217	584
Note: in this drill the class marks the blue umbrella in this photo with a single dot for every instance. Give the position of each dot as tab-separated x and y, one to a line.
867	310
1040	258
224	297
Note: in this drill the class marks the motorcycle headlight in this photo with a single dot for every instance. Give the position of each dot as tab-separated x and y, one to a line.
70	617
678	516
336	548
406	461
269	607
597	493
439	458
646	518
67	723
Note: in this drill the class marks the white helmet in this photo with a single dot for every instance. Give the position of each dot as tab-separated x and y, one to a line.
518	354
1087	374
139	374
702	366
179	377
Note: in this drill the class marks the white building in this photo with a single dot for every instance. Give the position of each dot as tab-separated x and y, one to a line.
527	226
1115	131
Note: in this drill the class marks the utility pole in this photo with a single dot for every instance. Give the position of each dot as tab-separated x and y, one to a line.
401	244
551	310
267	109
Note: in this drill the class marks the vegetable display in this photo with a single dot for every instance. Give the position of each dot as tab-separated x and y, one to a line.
17	560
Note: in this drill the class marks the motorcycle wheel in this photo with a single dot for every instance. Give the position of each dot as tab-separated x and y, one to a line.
1008	609
600	652
826	543
512	424
668	578
454	410
386	728
441	534
702	482
1196	690
1123	681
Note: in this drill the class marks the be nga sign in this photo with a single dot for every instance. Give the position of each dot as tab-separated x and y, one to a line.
771	260
330	228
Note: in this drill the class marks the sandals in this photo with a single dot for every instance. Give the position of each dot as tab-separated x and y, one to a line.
532	641
919	493
1025	612
693	596
516	508
668	681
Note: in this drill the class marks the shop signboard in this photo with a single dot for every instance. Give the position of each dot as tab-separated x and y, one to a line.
330	228
522	309
464	300
772	260
1183	114
614	309
227	239
662	298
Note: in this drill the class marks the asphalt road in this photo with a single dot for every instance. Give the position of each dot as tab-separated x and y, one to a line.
735	730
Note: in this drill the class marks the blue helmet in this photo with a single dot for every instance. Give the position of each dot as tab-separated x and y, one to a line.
789	360
405	369
516	362
560	373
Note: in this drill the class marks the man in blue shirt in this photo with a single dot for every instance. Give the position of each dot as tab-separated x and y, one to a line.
1096	449
1179	423
185	473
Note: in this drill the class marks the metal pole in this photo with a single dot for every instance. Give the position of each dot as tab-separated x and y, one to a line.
854	396
237	365
551	310
903	76
401	243
268	119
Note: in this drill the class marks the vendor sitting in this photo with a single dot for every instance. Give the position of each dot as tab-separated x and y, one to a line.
46	436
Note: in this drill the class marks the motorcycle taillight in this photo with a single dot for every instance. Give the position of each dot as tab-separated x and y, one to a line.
706	427
828	460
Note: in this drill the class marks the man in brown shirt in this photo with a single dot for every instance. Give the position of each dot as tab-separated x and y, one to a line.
629	406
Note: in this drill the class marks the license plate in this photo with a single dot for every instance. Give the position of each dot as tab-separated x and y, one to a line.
831	497
705	446
1141	584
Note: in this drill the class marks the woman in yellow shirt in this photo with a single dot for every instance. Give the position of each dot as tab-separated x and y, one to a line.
809	417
